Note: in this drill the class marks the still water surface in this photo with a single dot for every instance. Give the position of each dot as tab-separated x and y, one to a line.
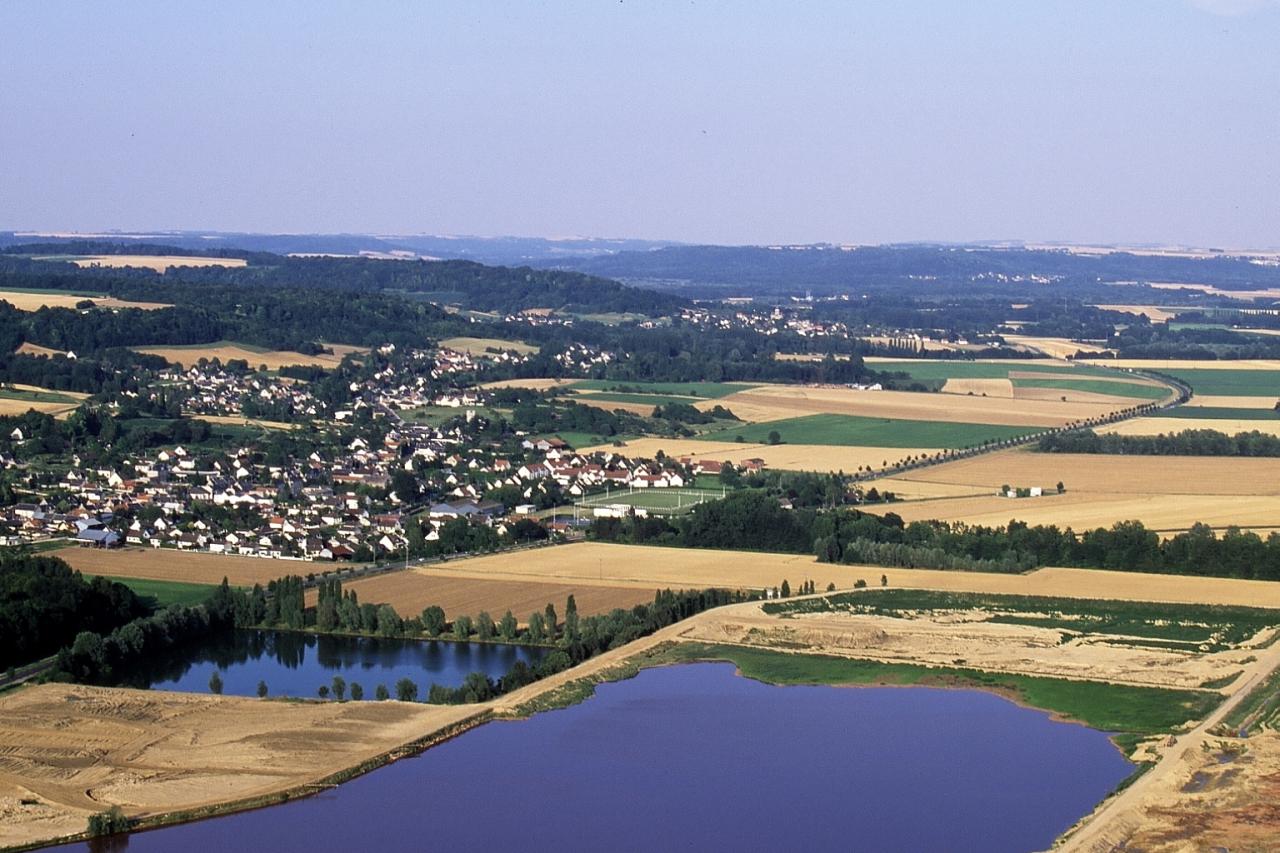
295	664
694	757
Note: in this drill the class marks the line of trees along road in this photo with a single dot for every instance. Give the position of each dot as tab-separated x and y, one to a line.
1189	442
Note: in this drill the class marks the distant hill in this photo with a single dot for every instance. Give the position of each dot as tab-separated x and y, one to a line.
825	269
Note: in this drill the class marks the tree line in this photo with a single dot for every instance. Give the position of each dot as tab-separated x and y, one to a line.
1190	442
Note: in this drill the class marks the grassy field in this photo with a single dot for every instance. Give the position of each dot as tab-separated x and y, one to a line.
37	396
1109	707
1097	386
704	390
663	501
164	593
852	430
1206	627
1229	381
647	399
1219	413
941	369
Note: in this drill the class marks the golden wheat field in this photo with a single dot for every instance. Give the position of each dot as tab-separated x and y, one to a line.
1052	347
1266	423
690	568
542	384
1166	495
409	592
776	402
28	348
479	346
1154	313
24	301
980	387
186	566
273	359
159	263
791	457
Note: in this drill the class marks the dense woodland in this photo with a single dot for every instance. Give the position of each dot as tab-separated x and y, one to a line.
44	604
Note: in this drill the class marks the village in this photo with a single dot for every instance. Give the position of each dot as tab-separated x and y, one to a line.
384	485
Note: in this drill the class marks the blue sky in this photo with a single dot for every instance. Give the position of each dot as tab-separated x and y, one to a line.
1139	121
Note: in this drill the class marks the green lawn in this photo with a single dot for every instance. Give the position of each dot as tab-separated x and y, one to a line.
1229	382
646	399
702	390
1097	386
854	430
659	500
1109	707
164	593
941	369
579	440
1220	413
38	396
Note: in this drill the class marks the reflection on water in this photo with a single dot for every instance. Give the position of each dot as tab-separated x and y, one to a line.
295	664
696	758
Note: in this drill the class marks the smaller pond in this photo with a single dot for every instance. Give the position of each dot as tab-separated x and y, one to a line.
295	664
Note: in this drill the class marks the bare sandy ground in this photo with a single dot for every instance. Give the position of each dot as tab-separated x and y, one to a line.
163	564
793	457
694	568
69	751
969	638
36	301
1201	795
273	359
412	591
1267	423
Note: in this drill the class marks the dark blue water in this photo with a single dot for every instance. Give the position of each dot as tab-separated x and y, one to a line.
696	758
297	664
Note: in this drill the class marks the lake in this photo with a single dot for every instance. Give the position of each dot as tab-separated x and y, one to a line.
294	664
694	757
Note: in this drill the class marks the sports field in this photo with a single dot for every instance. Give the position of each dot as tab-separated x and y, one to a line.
657	501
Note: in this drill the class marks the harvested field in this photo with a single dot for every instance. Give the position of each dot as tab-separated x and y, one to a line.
1158	426
531	384
777	402
694	568
1174	365
980	387
169	565
273	359
480	346
791	457
409	592
34	301
71	751
1151	312
1228	402
249	422
159	263
1101	489
19	399
28	348
1053	347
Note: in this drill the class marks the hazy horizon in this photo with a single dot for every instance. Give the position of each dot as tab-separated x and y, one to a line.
1154	122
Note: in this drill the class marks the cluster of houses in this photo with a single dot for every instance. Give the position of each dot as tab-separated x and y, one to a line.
213	390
